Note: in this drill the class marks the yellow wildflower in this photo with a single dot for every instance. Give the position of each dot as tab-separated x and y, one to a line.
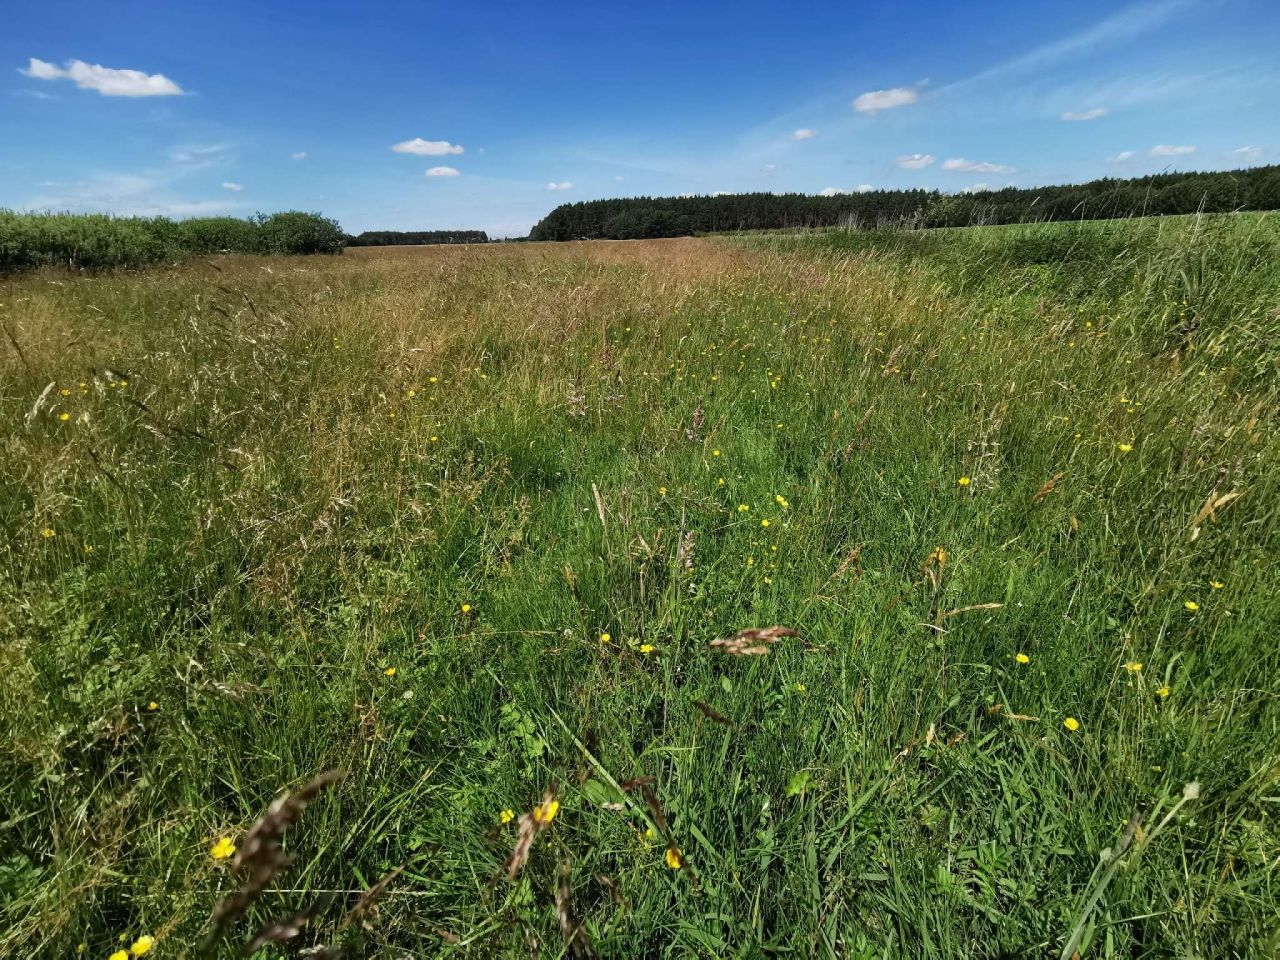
646	648
1071	723
153	706
1022	658
764	523
674	860
48	532
223	849
466	608
1133	666
743	508
1124	447
506	816
662	491
605	638
1191	605
64	416
64	392
963	481
546	812
715	453
389	672
142	945
120	955
1163	692
1216	584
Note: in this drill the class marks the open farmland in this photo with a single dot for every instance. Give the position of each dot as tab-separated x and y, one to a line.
462	523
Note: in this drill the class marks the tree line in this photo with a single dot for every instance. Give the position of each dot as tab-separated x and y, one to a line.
1257	188
402	238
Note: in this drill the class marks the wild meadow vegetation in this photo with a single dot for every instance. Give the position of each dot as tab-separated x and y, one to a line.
463	526
99	241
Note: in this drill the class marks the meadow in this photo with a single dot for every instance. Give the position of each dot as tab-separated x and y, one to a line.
465	524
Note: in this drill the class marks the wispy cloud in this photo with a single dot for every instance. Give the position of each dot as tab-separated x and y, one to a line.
561	185
200	154
877	100
1078	115
233	187
1124	156
1128	23
914	161
443	172
108	81
1170	150
961	165
804	133
1247	153
300	155
427	148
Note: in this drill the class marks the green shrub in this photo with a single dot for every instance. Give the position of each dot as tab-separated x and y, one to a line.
98	241
296	232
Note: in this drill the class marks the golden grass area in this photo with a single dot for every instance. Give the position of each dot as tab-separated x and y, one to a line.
498	533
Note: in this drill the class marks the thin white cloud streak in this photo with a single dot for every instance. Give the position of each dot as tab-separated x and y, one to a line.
876	100
1171	150
108	81
443	172
559	186
1125	25
961	165
427	148
915	161
804	133
1081	115
233	187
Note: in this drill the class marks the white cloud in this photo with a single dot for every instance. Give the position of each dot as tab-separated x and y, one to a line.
863	188
427	148
107	81
1168	150
443	172
831	192
915	161
562	185
1247	153
961	165
1093	114
1124	156
619	178
146	194
769	168
234	187
721	193
200	154
884	99
976	188
804	133
300	155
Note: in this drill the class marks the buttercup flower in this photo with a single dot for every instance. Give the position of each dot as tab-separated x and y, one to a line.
674	860
1071	723
546	812
506	816
1191	605
223	849
142	945
1022	658
963	481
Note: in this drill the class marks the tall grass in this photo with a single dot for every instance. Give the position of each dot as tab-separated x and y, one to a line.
97	241
462	524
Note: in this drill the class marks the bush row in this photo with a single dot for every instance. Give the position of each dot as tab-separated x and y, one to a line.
92	241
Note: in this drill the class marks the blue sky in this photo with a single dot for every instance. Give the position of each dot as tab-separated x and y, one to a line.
189	109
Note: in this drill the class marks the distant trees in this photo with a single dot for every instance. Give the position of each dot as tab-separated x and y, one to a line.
395	238
633	218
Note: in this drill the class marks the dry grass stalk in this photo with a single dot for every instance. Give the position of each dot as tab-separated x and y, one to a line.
707	711
260	857
530	826
282	931
753	641
1048	487
575	937
684	554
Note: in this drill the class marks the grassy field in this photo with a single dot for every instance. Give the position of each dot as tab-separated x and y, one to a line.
463	523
